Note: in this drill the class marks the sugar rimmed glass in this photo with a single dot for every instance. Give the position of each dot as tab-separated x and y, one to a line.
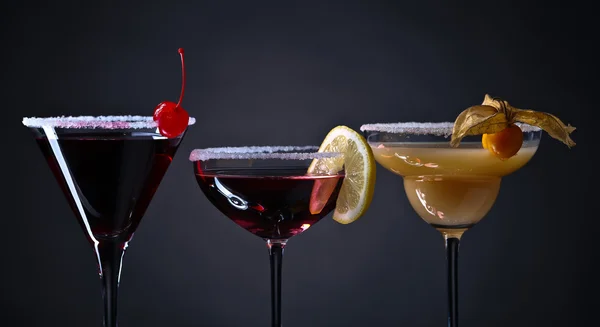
109	168
269	192
451	189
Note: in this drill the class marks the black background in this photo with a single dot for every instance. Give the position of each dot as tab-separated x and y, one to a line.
285	72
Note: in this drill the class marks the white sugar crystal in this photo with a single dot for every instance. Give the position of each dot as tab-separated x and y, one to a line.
102	122
261	152
414	128
442	129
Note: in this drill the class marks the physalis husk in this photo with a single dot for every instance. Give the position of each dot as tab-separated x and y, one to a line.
495	119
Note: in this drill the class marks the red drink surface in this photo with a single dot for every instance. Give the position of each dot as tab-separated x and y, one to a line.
270	203
113	176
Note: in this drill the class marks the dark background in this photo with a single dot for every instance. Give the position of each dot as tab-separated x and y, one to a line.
284	72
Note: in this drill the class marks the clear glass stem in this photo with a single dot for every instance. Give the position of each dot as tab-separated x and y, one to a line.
110	258
276	258
452	244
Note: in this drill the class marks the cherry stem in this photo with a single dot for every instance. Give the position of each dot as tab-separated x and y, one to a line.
182	77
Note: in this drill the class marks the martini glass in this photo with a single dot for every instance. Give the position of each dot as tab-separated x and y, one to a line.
268	192
109	168
451	189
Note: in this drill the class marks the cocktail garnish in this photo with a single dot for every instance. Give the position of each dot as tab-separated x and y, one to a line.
100	122
504	144
171	118
359	167
496	120
261	153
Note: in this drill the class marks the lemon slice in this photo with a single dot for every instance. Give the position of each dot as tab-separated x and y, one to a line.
359	164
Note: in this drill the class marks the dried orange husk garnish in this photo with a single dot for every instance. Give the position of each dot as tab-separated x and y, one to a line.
494	115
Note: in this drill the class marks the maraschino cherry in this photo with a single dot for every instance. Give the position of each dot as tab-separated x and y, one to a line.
171	118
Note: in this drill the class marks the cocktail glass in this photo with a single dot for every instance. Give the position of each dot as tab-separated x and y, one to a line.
268	192
109	168
452	189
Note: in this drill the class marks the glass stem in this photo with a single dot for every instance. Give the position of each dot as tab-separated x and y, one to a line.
276	258
110	256
452	244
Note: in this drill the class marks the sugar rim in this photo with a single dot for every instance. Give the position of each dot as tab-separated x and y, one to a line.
262	152
102	122
425	128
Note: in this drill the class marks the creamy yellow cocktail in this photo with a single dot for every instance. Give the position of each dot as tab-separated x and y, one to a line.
450	188
452	170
